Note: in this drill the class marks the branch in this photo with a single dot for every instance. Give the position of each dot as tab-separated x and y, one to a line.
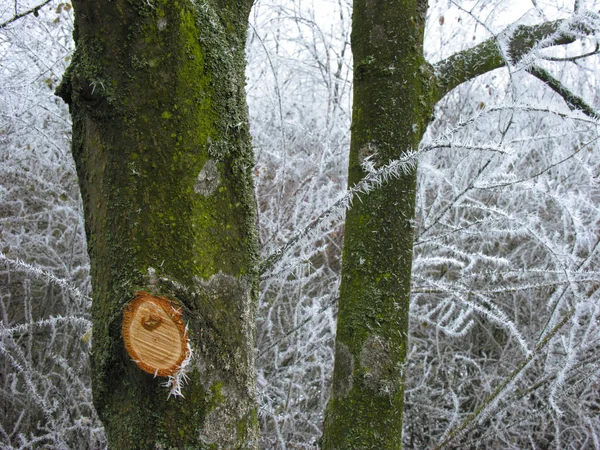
461	429
487	56
324	308
573	101
33	10
574	58
373	179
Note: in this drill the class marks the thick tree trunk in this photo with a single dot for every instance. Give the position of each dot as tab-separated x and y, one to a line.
163	154
392	107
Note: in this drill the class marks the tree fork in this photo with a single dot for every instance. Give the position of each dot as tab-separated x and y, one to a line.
395	92
163	155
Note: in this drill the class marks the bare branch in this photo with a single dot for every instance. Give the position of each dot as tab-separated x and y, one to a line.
574	58
466	65
34	10
487	56
573	101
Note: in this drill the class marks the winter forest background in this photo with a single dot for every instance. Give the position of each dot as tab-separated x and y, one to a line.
505	316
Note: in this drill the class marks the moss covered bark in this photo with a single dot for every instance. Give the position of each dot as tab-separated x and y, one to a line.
163	154
392	107
395	91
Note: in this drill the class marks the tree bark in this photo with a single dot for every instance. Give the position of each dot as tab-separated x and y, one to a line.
395	92
392	107
162	148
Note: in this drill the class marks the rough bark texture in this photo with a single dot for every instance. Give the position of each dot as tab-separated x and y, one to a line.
392	107
395	91
163	155
487	56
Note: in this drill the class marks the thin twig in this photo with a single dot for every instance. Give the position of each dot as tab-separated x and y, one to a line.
464	426
573	101
33	10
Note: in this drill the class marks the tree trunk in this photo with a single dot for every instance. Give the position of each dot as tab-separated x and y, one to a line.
392	107
395	92
163	154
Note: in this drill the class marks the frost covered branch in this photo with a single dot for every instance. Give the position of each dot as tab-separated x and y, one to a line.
511	47
35	11
334	213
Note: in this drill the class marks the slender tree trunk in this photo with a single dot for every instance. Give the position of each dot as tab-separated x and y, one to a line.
163	155
392	107
395	91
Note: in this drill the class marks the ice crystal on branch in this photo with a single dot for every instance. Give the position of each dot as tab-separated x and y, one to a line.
504	325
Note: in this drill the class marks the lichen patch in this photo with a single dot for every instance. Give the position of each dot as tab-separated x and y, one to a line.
208	179
367	153
220	431
380	372
233	295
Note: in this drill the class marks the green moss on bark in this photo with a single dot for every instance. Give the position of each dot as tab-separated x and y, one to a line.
157	93
393	102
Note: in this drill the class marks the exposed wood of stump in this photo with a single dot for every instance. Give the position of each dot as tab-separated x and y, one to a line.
154	334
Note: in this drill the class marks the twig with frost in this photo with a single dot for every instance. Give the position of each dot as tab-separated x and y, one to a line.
176	381
50	322
485	408
40	274
373	179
